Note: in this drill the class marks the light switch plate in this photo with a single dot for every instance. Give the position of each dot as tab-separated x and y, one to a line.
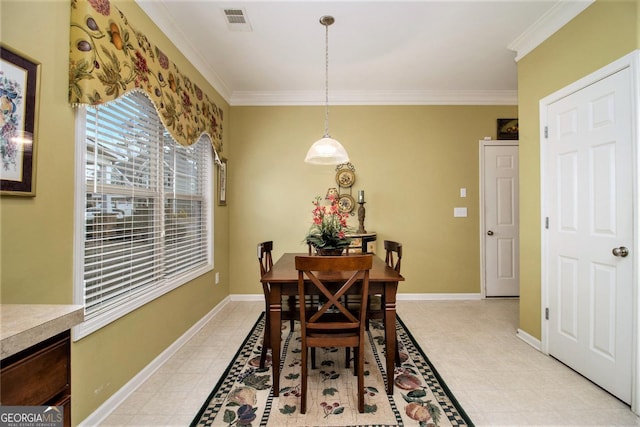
463	192
459	212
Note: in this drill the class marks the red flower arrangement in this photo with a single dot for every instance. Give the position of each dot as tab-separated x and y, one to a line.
329	229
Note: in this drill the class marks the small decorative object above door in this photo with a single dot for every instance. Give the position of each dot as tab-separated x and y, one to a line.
507	129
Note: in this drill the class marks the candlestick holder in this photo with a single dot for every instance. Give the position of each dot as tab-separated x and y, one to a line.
361	214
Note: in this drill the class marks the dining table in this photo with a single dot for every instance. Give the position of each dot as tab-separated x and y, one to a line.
283	281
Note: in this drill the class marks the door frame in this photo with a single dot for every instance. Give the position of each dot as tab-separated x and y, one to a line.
483	231
631	61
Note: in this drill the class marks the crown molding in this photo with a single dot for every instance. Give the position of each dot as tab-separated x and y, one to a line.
558	16
408	97
554	19
158	13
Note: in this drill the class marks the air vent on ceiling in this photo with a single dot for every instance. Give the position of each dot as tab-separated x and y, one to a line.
237	19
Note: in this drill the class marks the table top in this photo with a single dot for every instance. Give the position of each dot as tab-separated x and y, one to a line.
284	270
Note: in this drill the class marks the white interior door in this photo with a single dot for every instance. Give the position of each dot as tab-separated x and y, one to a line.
589	205
501	220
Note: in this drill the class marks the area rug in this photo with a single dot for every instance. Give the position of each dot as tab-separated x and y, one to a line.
243	396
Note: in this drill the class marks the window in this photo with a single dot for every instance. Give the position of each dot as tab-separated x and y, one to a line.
143	211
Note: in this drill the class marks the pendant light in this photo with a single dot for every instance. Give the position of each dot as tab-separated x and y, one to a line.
326	150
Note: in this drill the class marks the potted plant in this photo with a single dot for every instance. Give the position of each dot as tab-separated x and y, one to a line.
328	233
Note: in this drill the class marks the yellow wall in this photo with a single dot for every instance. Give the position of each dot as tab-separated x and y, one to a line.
37	233
604	32
411	161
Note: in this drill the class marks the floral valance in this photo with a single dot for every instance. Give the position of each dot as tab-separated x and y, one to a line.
109	57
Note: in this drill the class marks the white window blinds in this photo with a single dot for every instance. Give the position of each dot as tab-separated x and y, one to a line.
146	208
184	205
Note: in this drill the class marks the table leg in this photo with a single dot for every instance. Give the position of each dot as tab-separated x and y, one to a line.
275	318
390	289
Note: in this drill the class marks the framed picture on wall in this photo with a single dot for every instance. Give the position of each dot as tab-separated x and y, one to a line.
19	86
222	182
507	129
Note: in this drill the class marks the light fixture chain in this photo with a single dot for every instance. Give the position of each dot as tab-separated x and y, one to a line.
326	150
326	81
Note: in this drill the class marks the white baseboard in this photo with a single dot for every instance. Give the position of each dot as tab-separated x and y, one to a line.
100	414
246	297
529	339
436	297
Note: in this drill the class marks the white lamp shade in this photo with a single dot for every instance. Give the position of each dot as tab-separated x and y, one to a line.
326	151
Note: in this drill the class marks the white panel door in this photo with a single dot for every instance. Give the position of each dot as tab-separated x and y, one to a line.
590	229
501	221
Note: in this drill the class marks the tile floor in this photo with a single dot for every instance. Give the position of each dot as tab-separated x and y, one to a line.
498	379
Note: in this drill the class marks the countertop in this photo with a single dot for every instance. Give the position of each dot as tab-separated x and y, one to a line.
23	325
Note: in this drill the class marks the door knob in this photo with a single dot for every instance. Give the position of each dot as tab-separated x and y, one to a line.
489	233
621	251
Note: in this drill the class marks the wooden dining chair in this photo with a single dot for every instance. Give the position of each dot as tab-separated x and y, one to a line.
265	260
393	254
393	258
333	325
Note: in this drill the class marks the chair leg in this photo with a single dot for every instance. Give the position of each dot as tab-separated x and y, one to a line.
266	341
263	353
292	310
356	358
367	324
313	358
303	380
347	357
360	363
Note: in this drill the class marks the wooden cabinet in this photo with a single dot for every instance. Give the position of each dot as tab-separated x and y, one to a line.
363	243
39	375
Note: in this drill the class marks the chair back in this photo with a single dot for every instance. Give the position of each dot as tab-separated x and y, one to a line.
393	255
332	277
264	257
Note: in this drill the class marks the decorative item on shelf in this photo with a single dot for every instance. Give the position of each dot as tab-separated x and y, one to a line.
328	233
326	150
332	192
361	212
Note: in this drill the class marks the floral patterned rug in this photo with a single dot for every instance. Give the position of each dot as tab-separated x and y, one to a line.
243	395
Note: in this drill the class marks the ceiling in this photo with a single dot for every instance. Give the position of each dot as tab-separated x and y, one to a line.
380	52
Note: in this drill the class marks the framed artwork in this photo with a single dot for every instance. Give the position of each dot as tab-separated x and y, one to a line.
19	86
222	182
507	129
